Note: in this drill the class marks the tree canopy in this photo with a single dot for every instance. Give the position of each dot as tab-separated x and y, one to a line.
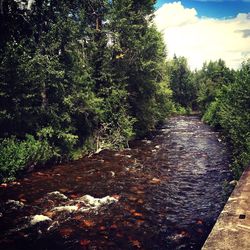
79	74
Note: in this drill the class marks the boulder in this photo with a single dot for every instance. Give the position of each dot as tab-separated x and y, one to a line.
38	219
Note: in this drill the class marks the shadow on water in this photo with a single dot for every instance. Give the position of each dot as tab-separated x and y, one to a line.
162	193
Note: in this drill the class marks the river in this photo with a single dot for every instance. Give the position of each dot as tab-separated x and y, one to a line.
164	192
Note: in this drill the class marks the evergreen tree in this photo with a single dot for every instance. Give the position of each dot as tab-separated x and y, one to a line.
79	72
211	78
139	59
181	82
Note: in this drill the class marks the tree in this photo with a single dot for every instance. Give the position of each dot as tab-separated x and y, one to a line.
228	107
138	61
181	82
75	73
211	78
234	116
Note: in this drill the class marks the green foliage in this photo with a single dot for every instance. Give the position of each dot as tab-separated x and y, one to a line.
235	115
231	111
182	82
116	126
180	110
62	141
79	75
17	155
210	79
211	115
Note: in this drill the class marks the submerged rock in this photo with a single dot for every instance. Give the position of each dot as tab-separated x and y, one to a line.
39	218
155	181
14	204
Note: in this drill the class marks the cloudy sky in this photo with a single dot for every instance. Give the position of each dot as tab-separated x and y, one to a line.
203	30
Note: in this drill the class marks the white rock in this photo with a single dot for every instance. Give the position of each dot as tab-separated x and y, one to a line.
57	195
128	156
39	218
147	141
68	209
85	210
95	203
233	183
15	204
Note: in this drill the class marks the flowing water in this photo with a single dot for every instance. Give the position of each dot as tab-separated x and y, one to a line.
165	192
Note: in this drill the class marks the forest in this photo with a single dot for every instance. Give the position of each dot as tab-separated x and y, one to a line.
82	76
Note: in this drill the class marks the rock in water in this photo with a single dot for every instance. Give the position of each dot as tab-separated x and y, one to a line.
233	183
69	209
14	204
57	195
95	203
39	218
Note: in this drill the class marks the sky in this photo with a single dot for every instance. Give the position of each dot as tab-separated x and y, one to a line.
203	30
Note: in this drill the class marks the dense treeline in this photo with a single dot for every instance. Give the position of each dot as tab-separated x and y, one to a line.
222	95
77	75
224	98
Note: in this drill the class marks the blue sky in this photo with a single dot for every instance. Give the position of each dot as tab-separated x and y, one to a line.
204	30
214	8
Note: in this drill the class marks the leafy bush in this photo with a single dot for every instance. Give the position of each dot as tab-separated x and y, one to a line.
71	80
163	101
116	126
17	155
231	111
211	115
63	142
179	110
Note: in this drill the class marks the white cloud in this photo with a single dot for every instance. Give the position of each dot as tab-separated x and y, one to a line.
203	39
222	0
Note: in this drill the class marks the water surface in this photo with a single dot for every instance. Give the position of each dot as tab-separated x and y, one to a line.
169	190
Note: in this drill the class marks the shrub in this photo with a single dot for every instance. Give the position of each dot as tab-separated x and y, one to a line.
17	155
62	142
211	115
231	111
179	110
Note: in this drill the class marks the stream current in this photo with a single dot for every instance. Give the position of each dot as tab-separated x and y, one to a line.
164	192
